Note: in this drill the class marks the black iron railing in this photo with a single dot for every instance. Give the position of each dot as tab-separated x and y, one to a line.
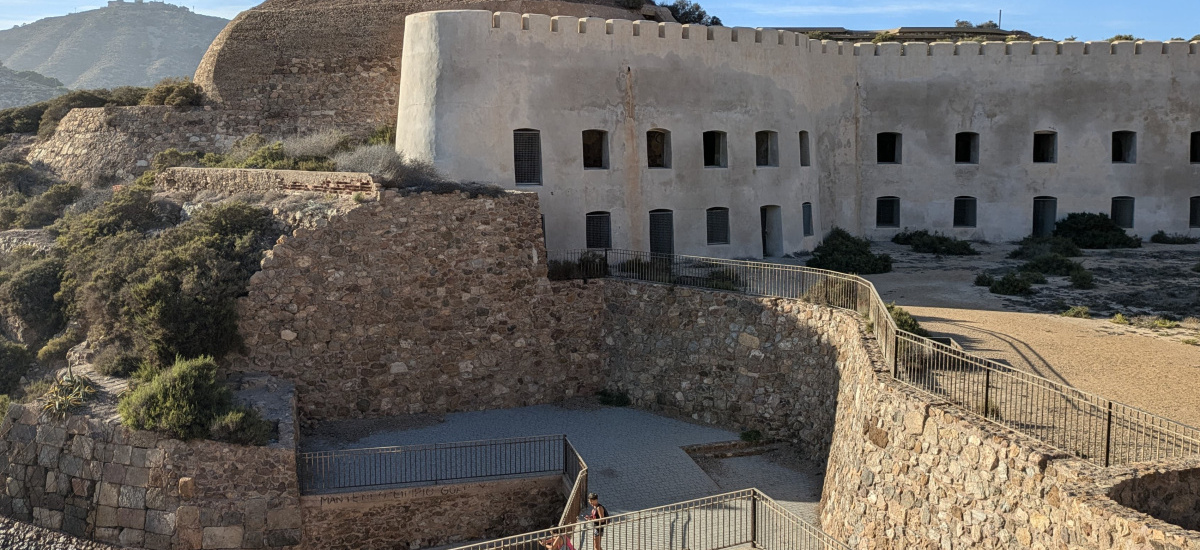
331	471
742	518
1089	426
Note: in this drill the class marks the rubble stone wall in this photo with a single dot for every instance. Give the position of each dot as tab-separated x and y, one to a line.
236	180
425	517
421	304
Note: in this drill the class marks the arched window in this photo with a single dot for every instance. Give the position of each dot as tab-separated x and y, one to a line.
887	212
964	211
805	160
718	225
527	156
599	230
658	149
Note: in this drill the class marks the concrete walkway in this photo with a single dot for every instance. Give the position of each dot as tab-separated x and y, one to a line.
634	457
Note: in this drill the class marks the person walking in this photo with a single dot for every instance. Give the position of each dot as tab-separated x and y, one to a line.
599	518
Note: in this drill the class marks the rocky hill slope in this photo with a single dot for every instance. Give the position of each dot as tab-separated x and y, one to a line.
17	88
125	44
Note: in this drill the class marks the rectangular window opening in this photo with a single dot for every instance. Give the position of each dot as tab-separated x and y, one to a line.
806	209
599	230
1045	147
1124	147
1194	213
658	149
718	226
662	232
887	212
964	211
527	156
595	150
766	149
804	158
1122	212
889	146
966	148
715	150
1195	156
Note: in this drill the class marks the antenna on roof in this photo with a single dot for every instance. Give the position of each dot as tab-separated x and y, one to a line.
1000	20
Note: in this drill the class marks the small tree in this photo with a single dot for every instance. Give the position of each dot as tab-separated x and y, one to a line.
690	13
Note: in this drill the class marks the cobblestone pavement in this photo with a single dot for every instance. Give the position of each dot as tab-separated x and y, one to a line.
634	457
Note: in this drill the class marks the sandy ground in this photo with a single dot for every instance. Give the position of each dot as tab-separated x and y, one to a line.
1149	369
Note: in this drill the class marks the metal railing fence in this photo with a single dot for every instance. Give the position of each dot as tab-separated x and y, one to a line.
575	473
1091	427
328	471
741	518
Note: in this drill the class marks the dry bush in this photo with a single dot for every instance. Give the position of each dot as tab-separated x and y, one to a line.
326	144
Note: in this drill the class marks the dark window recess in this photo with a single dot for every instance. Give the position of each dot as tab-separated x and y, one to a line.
1194	213
714	150
966	148
662	232
1045	214
527	156
964	211
804	158
888	148
658	149
599	230
887	212
766	149
806	210
1195	156
1045	147
1124	147
718	225
1122	212
595	149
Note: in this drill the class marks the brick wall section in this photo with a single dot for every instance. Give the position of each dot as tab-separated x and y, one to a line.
906	471
94	479
721	358
427	517
230	180
421	304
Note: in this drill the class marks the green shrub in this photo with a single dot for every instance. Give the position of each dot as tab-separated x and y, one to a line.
1163	238
5	401
46	208
58	108
1094	231
1082	279
1011	285
21	178
613	398
1119	319
35	390
590	265
885	36
1188	341
182	401
935	243
243	426
1079	312
1052	264
841	251
684	11
383	135
1153	323
1033	277
28	293
752	436
14	363
175	92
1117	37
905	321
67	393
983	279
117	361
1032	247
58	346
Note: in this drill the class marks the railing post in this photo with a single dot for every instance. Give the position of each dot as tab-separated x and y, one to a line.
753	520
1108	438
987	387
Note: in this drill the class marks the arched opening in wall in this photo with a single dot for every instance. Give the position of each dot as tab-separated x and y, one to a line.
595	150
1045	213
1124	147
1122	212
966	148
527	156
964	211
1045	147
716	153
805	160
888	147
766	148
658	149
806	210
772	231
599	230
1195	156
1194	212
717	224
662	232
887	212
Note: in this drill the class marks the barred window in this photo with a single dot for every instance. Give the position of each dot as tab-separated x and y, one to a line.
599	230
662	232
527	156
887	212
718	225
804	158
964	211
806	209
1122	212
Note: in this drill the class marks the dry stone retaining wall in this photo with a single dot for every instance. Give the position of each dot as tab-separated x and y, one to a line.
424	517
421	304
237	180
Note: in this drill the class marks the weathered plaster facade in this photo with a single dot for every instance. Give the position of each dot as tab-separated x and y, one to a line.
563	75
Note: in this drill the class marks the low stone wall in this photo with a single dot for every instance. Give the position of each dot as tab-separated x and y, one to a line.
1169	492
95	479
424	517
235	180
722	358
421	304
16	535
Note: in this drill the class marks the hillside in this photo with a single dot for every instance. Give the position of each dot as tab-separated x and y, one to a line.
125	44
17	88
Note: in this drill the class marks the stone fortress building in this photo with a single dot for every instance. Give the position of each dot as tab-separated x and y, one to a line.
756	142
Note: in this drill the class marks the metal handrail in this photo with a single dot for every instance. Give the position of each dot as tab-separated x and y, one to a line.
1100	430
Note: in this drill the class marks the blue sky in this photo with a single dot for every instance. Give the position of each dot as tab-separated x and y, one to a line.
1084	19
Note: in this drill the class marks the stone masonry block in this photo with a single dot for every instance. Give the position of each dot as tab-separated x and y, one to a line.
222	537
130	518
106	516
137	477
162	523
133	497
132	537
284	518
110	494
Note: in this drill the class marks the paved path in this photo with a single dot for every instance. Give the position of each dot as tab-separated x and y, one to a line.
634	457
